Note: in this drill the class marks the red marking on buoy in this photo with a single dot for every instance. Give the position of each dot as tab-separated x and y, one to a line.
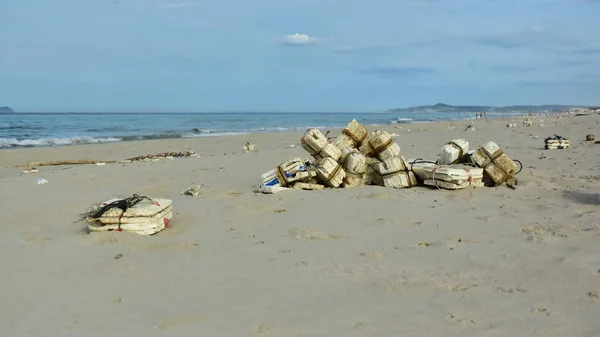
156	203
166	221
468	170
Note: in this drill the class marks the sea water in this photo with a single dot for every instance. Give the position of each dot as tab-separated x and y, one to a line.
59	129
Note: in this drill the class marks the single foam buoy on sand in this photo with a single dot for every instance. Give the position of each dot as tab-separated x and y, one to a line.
590	138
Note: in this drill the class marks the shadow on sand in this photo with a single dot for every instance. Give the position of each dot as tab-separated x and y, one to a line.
586	198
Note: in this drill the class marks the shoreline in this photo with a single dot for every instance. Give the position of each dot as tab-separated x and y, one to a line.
129	139
189	143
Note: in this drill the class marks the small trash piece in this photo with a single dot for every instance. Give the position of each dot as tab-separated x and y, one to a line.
454	152
271	189
590	138
249	147
42	181
527	122
31	170
556	143
194	191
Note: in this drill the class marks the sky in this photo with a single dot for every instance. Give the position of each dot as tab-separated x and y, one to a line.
295	56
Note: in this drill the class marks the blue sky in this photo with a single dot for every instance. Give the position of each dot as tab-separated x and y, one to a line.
280	55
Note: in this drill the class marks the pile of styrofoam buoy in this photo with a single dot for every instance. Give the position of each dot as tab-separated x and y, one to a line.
556	143
357	157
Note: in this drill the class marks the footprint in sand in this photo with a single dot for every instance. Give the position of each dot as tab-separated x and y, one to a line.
454	242
371	255
309	234
457	319
379	196
175	246
511	290
31	239
261	330
184	320
543	233
541	311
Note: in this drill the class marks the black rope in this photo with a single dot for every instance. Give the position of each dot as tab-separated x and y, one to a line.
421	160
122	204
520	164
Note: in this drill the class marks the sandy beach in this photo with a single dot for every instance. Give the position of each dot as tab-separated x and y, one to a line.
365	261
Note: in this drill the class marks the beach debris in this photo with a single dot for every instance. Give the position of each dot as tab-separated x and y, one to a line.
556	143
318	146
450	177
193	191
392	172
329	172
590	138
381	145
511	125
270	189
357	157
287	173
527	122
352	136
147	157
31	170
138	214
498	166
100	163
163	155
42	181
355	165
249	147
454	152
308	186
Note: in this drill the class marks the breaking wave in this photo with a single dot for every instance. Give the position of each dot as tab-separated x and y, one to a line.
13	142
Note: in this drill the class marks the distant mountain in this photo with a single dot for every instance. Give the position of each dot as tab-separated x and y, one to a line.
6	109
441	107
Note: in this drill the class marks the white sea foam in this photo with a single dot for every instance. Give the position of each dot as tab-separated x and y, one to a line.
13	142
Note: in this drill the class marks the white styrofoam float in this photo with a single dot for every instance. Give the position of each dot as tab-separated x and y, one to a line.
450	177
144	218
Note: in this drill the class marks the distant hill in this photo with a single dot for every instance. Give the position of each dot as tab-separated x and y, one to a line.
440	107
6	109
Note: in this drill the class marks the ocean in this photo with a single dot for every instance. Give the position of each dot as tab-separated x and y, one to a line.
62	129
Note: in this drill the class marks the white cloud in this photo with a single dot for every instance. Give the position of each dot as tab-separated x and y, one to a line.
300	39
537	29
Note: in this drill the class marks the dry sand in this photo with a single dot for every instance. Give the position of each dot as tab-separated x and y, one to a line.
367	261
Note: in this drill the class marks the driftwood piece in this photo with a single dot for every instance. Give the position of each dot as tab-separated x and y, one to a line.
93	162
67	162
